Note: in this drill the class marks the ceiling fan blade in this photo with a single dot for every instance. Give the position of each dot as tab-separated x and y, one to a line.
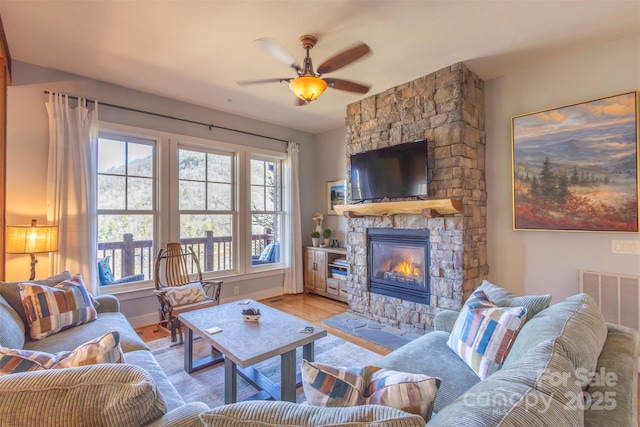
347	85
253	82
274	49
344	58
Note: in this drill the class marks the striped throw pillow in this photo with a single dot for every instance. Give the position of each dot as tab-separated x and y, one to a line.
105	349
325	385
52	309
412	393
484	333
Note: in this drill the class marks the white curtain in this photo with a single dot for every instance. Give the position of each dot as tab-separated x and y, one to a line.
292	245
71	201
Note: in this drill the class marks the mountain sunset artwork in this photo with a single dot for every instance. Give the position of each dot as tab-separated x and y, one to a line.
575	168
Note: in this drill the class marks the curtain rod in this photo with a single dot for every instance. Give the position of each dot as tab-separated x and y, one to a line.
164	116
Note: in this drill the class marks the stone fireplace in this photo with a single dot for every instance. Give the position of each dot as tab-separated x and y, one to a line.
446	108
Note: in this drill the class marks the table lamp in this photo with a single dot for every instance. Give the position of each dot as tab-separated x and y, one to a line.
32	239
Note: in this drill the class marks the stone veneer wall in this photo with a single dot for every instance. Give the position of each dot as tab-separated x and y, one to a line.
446	108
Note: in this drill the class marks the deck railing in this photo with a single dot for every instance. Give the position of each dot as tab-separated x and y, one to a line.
131	256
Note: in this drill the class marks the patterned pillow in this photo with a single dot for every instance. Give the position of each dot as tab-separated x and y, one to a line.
105	349
11	291
53	309
266	253
413	393
326	385
484	333
16	361
104	271
186	294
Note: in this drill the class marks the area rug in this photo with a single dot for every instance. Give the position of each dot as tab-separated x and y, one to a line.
370	330
208	385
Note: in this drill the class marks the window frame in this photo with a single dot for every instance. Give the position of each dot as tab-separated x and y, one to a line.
233	212
266	158
107	132
166	219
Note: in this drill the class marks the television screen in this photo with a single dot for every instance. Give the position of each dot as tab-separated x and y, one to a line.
397	171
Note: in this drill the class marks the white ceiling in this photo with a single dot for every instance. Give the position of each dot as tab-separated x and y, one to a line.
197	51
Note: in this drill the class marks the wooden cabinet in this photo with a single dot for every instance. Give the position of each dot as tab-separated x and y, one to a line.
315	278
325	273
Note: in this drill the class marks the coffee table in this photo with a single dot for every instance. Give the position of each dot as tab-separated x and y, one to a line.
244	344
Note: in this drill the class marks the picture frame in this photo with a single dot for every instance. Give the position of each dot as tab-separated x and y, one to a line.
575	168
335	195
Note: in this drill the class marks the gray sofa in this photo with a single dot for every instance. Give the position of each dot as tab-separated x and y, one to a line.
567	367
131	394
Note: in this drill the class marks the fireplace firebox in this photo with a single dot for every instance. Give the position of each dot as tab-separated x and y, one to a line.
398	263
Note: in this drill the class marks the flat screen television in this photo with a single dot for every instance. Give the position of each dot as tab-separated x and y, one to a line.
390	172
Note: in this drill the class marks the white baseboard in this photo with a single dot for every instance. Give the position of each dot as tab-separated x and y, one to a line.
268	293
144	320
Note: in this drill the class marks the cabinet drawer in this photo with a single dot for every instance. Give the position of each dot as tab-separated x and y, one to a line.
342	289
333	287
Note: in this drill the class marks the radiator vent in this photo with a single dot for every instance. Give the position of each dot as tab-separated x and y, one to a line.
617	296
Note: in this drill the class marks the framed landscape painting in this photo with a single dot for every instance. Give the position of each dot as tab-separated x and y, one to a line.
335	195
575	168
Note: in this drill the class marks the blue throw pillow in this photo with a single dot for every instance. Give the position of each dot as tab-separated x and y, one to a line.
266	253
104	271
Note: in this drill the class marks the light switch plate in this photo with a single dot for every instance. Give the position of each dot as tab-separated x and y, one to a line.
626	247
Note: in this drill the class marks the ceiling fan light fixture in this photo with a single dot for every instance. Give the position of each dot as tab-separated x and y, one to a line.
307	88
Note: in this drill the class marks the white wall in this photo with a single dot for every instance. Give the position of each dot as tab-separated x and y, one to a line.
544	261
331	165
27	153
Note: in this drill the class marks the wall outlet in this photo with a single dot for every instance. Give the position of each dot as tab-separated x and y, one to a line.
236	290
627	247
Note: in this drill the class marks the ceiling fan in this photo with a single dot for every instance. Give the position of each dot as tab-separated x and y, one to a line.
309	85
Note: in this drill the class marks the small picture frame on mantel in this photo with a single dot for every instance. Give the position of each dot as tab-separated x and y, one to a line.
335	195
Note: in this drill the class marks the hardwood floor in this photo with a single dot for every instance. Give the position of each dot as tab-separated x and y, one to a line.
310	307
314	309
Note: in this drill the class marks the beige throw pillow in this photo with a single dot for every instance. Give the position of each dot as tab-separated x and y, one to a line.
186	294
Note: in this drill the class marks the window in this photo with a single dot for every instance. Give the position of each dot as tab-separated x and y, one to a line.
206	207
266	210
126	208
223	200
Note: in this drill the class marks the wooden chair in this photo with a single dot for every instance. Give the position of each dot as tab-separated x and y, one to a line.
172	269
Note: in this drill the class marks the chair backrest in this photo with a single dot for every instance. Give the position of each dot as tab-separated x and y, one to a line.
172	266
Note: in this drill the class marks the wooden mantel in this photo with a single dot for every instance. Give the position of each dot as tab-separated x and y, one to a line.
428	208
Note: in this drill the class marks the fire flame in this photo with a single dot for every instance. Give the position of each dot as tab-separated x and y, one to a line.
404	268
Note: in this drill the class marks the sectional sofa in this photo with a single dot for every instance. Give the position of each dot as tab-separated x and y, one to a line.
136	393
567	367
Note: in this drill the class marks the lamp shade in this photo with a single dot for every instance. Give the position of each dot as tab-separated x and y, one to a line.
31	239
308	88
